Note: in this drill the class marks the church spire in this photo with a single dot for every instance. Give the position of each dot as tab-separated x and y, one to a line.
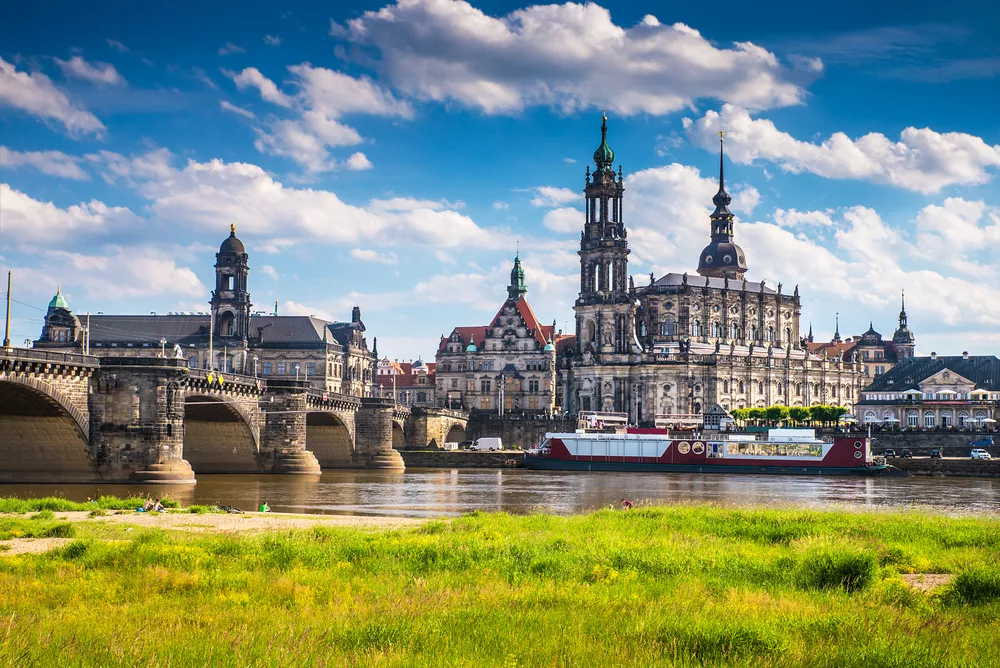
722	258
517	288
836	331
902	308
810	337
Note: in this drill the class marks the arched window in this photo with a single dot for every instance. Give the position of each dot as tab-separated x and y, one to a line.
591	331
781	389
798	389
725	386
716	330
695	328
193	362
760	388
668	327
929	420
912	419
752	334
734	331
742	390
770	333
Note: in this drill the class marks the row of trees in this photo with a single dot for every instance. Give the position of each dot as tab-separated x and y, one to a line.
798	415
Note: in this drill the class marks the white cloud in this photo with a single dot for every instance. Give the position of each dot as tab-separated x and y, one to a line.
251	77
441	256
368	255
793	218
568	56
295	308
35	94
358	162
30	221
204	193
231	48
272	40
269	271
98	73
564	220
324	96
551	197
53	163
228	106
202	76
500	206
116	45
922	160
967	229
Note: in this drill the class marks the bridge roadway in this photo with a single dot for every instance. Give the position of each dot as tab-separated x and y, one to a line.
68	418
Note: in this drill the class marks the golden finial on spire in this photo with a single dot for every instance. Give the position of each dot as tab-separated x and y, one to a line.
58	289
604	114
232	228
722	133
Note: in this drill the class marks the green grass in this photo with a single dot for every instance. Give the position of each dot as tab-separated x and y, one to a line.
682	585
57	504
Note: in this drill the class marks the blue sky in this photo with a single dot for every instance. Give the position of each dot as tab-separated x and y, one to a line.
394	155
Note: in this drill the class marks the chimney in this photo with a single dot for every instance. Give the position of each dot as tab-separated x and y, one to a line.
965	354
933	356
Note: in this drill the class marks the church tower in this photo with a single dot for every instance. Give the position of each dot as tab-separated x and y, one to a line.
517	288
722	258
603	320
903	338
230	299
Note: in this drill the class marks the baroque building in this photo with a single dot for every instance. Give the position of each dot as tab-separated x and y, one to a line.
683	343
407	383
230	337
506	366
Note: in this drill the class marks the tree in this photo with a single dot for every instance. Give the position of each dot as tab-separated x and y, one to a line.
756	415
739	414
798	414
775	414
818	414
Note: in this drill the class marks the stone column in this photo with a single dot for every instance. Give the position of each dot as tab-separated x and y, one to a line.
373	435
283	434
137	420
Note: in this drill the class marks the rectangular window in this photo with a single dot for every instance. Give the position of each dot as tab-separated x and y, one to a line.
484	385
454	383
311	368
282	368
485	403
267	368
532	386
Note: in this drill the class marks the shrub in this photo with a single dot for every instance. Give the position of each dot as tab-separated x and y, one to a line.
826	567
76	549
977	586
61	530
44	515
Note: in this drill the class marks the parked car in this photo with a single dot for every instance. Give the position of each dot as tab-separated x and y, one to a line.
466	445
889	453
936	454
489	443
979	453
984	442
907	453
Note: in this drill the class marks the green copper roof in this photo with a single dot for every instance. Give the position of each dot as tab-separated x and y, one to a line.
604	156
471	348
549	347
58	301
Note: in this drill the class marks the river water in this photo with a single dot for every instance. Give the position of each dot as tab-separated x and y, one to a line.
449	492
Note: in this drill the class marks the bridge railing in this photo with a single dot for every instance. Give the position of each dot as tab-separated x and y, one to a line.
39	355
229	377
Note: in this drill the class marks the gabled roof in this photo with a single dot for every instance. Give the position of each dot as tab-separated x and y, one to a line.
541	333
465	334
983	370
193	329
831	348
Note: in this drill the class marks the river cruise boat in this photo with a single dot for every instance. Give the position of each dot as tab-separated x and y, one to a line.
778	451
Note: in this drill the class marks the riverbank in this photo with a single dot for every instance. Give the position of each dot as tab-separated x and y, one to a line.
678	585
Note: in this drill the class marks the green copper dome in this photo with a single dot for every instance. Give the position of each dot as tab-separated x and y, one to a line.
58	301
604	156
548	347
471	348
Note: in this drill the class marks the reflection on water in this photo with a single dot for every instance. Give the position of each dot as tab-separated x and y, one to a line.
431	493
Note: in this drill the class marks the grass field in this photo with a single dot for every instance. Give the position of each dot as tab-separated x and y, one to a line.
681	585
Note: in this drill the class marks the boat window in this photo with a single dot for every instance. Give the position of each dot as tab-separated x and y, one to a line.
763	449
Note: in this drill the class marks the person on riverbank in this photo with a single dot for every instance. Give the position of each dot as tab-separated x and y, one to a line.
148	506
627	505
159	506
264	508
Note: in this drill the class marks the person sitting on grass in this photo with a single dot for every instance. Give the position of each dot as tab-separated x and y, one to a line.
159	506
148	506
264	508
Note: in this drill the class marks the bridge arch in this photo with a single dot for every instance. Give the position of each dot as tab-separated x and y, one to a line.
330	438
44	437
219	436
398	435
455	433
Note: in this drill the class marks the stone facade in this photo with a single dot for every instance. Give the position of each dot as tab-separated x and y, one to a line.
681	343
231	338
407	383
506	366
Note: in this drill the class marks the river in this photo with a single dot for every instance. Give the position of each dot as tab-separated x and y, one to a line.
449	492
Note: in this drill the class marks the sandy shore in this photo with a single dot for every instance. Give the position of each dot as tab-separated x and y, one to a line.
208	523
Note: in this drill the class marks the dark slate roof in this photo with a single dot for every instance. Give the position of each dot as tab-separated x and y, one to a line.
193	329
983	370
697	281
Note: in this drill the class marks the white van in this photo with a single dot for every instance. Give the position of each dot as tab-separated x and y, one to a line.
487	444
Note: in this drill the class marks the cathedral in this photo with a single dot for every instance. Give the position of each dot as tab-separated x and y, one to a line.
669	350
231	337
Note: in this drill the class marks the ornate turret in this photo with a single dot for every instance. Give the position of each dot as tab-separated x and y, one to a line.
58	301
230	299
722	258
903	338
604	156
517	288
836	330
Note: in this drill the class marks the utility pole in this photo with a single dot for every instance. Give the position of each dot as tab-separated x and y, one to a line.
6	331
211	354
86	333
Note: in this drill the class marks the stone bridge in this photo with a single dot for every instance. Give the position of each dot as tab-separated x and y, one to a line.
75	418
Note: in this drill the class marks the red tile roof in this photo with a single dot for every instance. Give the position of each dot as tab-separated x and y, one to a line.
541	333
831	348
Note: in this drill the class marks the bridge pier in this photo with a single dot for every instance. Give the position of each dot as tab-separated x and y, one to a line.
137	421
283	435
373	435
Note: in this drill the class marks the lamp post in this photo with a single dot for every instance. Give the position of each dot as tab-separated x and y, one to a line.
163	348
254	366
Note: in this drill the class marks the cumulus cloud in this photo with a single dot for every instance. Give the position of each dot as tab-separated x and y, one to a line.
272	40
500	206
564	220
923	160
568	56
35	94
98	73
203	193
551	197
368	255
323	97
228	106
53	163
269	271
27	220
969	230
794	218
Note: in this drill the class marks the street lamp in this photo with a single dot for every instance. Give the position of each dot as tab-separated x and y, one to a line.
163	348
254	366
